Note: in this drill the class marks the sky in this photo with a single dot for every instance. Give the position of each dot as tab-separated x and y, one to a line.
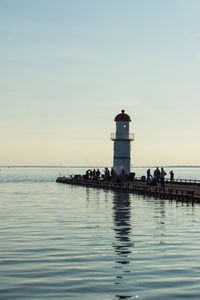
68	67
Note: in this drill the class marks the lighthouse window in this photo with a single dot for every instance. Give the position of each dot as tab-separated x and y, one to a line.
124	126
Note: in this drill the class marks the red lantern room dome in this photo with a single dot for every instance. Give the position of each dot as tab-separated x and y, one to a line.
123	117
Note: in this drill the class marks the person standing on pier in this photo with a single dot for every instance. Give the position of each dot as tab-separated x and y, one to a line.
171	176
112	173
148	176
107	174
98	174
162	178
156	174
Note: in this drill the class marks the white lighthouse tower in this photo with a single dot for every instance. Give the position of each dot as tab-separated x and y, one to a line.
122	144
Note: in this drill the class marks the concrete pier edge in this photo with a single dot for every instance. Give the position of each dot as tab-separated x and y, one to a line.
173	191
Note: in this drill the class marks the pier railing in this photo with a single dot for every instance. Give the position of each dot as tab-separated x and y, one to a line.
184	181
180	181
167	180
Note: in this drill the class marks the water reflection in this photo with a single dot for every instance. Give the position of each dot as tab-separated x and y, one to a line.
159	211
122	228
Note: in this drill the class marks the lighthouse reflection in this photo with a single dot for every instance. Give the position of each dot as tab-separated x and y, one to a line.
122	226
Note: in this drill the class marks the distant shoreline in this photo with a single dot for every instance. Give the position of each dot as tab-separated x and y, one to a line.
96	166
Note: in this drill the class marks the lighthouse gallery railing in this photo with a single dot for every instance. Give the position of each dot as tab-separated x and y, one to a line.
130	137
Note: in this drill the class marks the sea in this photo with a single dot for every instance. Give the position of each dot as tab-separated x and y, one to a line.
59	241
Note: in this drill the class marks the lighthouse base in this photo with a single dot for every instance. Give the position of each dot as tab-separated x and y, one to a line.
121	163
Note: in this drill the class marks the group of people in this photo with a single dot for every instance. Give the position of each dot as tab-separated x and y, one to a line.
108	175
158	176
92	174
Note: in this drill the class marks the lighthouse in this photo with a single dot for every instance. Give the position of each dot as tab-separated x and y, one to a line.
122	144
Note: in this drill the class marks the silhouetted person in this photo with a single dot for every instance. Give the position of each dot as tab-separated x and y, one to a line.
112	173
162	178
107	174
94	174
98	173
149	177
156	174
148	174
122	174
171	175
87	175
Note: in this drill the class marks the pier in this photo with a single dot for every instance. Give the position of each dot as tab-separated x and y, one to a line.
120	178
181	190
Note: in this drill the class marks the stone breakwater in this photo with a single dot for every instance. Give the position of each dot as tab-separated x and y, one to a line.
181	190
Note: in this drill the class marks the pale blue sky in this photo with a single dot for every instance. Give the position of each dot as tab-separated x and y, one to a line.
68	67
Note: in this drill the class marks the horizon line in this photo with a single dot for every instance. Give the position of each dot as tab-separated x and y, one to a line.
99	166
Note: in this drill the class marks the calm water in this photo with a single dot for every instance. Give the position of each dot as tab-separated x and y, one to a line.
67	242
